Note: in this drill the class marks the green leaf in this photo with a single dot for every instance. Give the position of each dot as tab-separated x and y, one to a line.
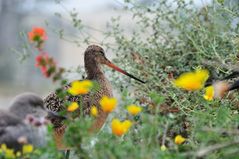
157	98
223	116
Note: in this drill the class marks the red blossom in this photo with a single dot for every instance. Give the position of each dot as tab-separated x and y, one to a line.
44	71
41	60
37	35
46	64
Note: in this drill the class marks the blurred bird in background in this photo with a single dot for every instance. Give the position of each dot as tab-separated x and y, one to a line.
24	123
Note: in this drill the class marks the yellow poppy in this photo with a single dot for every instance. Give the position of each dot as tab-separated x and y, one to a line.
192	81
179	140
72	107
108	104
3	147
94	111
209	93
119	128
9	153
28	148
80	87
134	109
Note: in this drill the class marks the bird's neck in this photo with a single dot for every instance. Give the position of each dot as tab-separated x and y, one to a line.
95	73
93	70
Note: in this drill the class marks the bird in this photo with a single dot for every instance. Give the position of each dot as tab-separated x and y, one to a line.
24	122
222	86
94	58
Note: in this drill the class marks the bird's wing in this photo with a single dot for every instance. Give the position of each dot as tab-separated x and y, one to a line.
11	129
54	103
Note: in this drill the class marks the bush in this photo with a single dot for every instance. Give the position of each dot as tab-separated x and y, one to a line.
169	38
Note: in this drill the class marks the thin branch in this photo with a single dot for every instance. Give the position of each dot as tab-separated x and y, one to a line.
207	150
165	134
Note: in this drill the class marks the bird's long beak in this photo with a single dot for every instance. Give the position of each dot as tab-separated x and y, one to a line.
110	64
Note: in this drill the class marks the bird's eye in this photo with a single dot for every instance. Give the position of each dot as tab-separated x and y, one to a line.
102	53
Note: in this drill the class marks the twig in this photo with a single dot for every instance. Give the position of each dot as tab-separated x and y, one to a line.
229	132
165	134
205	151
67	154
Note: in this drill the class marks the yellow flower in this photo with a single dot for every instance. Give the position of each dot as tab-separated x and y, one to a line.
127	124
3	147
134	109
119	128
18	154
163	148
9	153
209	93
179	139
72	107
108	104
192	81
94	111
28	148
80	87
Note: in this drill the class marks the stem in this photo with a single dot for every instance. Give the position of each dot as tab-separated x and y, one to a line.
67	154
165	134
207	150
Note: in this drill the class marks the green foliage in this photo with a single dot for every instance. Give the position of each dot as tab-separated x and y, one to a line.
168	38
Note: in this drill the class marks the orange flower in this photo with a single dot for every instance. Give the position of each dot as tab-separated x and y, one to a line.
94	111
37	35
72	107
119	128
192	81
80	87
108	104
134	109
209	93
179	139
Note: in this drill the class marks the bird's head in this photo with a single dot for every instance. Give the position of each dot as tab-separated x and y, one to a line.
28	104
95	55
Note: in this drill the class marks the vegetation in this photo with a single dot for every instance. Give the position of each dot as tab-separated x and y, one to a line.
168	38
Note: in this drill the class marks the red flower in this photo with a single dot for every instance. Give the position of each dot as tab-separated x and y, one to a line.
44	71
37	35
41	60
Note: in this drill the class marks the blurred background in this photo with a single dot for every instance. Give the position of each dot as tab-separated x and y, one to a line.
17	73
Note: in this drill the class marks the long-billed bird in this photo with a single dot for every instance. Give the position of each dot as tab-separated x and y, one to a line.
24	122
94	58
